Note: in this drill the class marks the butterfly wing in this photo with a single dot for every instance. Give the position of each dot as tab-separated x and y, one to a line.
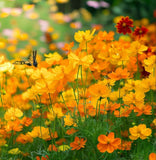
31	60
34	58
19	62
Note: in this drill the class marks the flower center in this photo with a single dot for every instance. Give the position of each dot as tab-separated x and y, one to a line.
124	24
140	31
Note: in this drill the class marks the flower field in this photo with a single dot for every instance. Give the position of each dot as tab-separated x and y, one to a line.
91	98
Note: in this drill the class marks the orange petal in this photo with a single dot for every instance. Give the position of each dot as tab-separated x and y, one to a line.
102	147
110	148
152	156
103	139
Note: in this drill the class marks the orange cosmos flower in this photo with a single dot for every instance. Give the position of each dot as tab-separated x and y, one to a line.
67	47
119	74
97	26
108	143
123	26
124	133
60	141
2	142
104	36
143	109
112	107
54	135
125	145
52	148
71	131
99	90
132	66
36	114
152	156
124	111
42	158
14	126
139	131
24	139
26	121
78	143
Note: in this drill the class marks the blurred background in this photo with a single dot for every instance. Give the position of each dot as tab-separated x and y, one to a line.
46	25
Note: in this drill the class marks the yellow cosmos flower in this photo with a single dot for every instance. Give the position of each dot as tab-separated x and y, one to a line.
11	48
3	15
16	33
51	115
144	21
125	38
7	66
55	36
136	98
13	113
148	83
14	151
68	120
2	59
85	14
63	148
68	95
139	131
27	7
82	36
81	59
154	122
62	1
2	44
58	17
117	19
50	29
23	36
137	48
32	15
149	64
40	132
53	59
115	95
33	42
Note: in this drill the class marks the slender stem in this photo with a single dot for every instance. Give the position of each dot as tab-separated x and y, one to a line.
64	102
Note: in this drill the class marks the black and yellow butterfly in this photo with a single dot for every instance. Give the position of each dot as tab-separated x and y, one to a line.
31	60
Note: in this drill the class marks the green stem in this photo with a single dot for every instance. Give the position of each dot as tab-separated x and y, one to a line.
138	73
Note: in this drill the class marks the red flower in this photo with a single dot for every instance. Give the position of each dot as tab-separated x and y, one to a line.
140	32
123	26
